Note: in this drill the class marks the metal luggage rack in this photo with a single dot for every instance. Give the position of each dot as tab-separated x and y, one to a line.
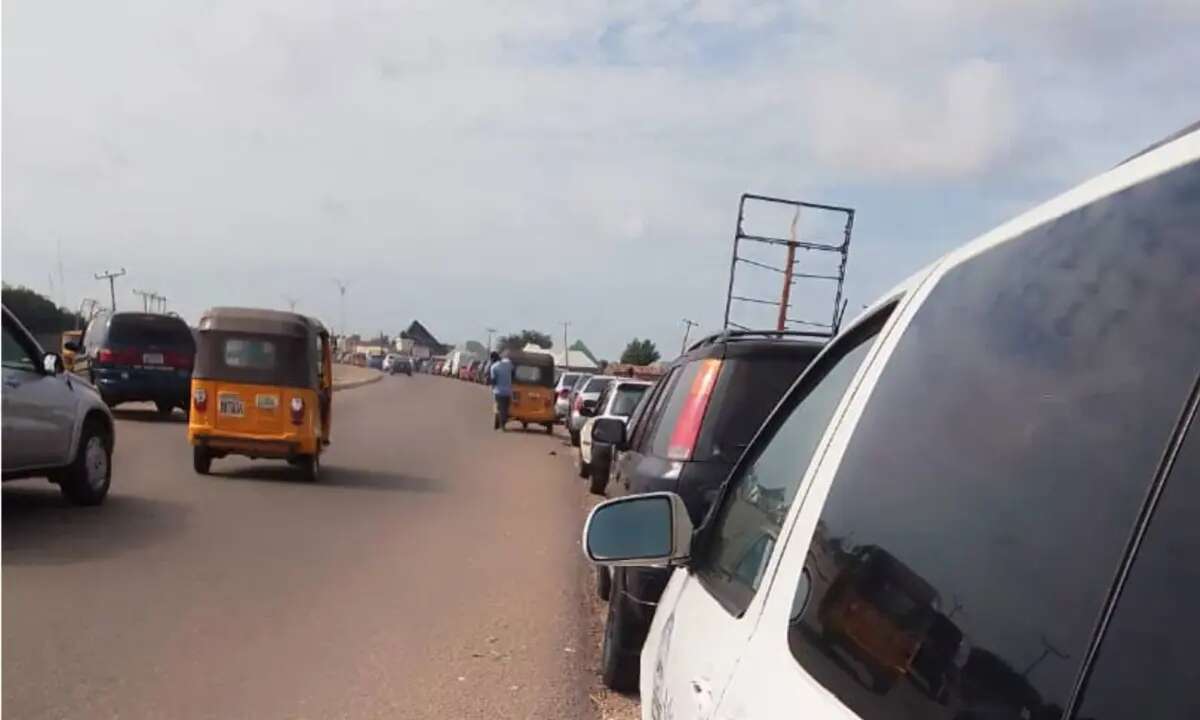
748	334
789	272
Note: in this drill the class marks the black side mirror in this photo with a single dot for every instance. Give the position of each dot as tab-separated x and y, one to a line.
610	431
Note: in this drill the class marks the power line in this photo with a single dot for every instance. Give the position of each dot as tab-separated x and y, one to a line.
110	277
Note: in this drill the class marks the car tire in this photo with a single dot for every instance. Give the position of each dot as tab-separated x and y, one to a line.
201	460
618	662
584	468
603	583
574	438
599	481
86	480
310	467
164	408
549	428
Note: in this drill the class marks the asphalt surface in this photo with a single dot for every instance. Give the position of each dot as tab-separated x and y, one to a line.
432	572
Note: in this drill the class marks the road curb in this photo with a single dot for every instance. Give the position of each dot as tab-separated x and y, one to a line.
350	384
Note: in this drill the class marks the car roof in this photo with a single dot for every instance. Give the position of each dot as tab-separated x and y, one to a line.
274	322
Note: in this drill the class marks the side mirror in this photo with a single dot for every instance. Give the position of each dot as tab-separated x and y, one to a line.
73	345
52	363
588	408
610	431
650	529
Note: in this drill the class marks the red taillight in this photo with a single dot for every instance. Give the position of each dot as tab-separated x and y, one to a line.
108	356
200	399
691	415
297	408
179	360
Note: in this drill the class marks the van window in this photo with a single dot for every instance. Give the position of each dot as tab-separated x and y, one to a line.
1147	666
150	330
982	506
744	531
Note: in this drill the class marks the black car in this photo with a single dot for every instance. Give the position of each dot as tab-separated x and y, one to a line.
136	356
684	437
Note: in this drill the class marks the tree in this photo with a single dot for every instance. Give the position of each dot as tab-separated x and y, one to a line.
640	352
517	341
37	312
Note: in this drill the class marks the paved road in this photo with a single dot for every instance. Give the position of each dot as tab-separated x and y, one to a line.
433	571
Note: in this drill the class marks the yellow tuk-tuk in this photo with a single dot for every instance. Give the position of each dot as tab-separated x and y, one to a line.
70	341
262	387
532	389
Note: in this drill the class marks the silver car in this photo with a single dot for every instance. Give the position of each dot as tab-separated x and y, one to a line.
55	425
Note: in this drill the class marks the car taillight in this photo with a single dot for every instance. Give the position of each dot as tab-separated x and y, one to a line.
179	360
691	415
108	356
200	399
297	408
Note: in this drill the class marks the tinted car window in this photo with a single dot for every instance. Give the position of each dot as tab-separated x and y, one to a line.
982	506
628	397
653	412
744	531
149	330
244	352
1147	666
567	380
15	355
665	426
746	392
596	385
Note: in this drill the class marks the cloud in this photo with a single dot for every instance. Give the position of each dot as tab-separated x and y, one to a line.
517	164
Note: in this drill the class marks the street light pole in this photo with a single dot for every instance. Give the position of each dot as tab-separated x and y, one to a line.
490	332
112	291
687	329
566	347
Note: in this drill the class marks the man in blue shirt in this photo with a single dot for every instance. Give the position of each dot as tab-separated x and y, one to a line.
500	378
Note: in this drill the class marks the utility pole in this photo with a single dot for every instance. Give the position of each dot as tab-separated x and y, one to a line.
342	287
566	347
145	296
687	329
788	269
490	332
112	291
291	301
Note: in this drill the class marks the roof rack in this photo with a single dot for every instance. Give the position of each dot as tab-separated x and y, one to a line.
746	333
789	271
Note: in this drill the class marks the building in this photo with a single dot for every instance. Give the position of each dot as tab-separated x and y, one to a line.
418	342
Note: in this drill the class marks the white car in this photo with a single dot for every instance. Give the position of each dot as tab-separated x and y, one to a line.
584	398
978	501
55	424
616	401
562	392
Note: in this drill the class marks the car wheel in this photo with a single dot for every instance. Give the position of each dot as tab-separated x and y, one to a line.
310	467
549	428
164	408
603	583
618	661
86	479
584	468
201	460
524	426
599	479
574	439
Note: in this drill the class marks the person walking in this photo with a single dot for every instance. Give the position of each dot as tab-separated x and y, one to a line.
500	378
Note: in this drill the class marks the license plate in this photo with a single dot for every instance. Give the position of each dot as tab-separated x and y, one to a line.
266	402
230	405
152	359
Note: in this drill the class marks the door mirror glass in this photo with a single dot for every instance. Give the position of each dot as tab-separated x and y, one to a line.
610	431
52	363
650	529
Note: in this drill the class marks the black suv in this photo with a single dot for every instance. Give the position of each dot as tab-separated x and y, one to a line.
684	437
134	356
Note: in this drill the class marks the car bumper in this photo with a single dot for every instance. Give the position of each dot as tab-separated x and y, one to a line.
135	384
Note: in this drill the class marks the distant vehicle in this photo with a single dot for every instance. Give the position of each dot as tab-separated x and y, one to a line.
137	356
263	388
467	371
685	438
979	501
532	389
585	397
617	402
562	392
388	359
55	424
375	361
401	365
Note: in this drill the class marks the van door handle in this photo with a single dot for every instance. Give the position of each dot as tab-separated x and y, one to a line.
702	692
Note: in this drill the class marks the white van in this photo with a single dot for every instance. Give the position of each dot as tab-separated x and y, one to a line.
979	501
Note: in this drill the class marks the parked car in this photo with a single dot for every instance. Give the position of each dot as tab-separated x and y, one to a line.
563	386
138	356
618	402
388	360
55	424
685	438
402	365
979	501
586	394
375	360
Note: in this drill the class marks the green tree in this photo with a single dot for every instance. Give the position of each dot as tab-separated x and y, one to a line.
516	341
37	312
640	352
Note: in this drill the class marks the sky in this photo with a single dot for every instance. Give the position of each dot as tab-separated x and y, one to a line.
521	164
